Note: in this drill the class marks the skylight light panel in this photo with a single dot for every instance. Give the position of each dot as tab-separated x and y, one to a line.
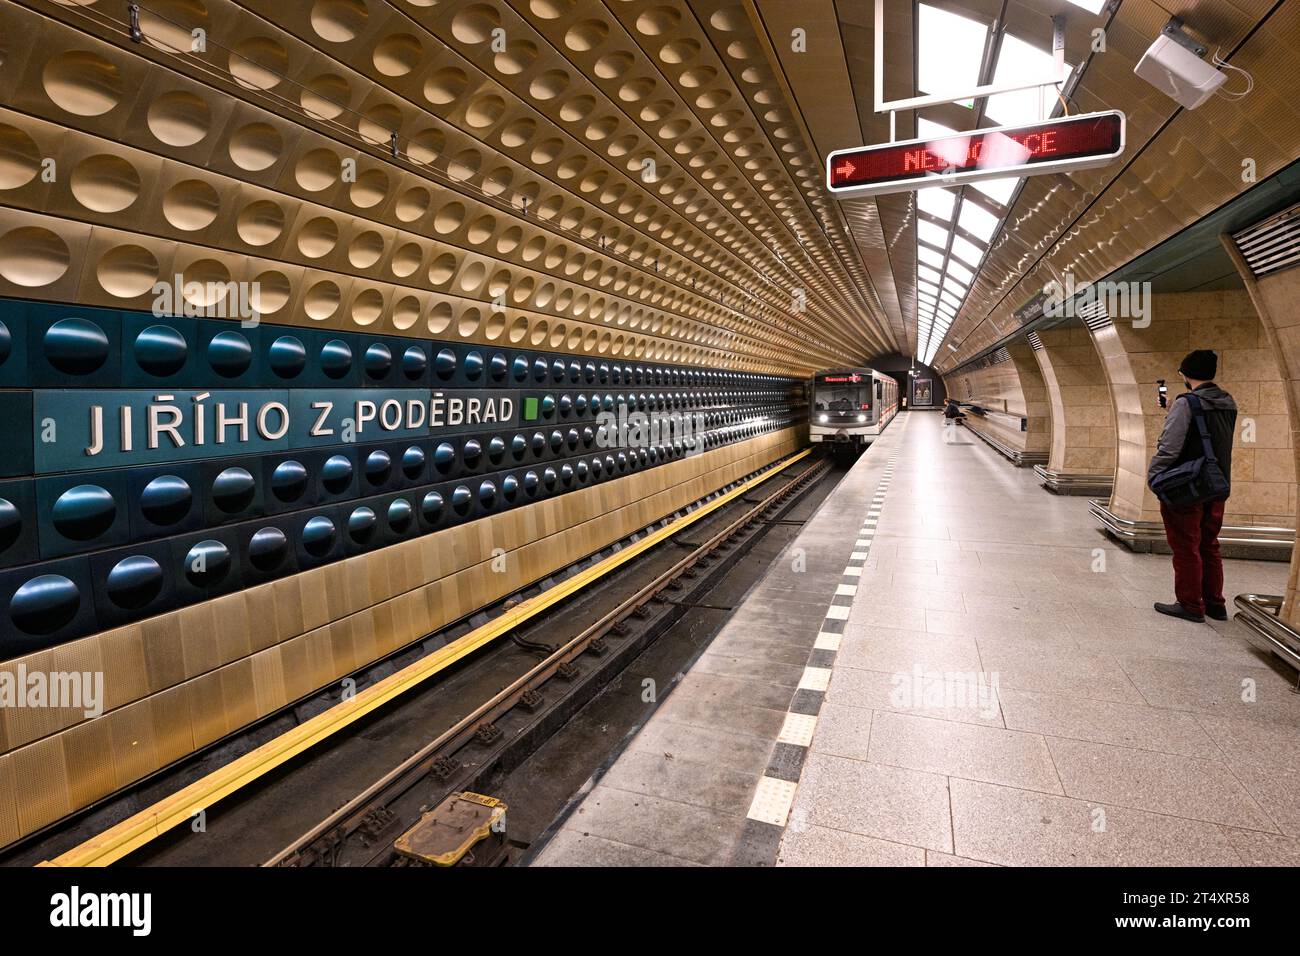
937	202
1092	6
999	190
959	272
1021	62
967	251
925	272
934	235
930	257
949	52
978	222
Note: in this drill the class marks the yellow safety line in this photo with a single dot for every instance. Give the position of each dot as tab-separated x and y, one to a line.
135	831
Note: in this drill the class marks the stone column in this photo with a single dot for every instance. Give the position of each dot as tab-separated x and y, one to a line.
1274	297
1083	419
1009	390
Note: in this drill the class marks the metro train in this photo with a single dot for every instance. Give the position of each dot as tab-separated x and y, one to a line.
851	405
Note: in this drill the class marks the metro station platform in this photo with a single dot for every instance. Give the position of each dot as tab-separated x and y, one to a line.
966	672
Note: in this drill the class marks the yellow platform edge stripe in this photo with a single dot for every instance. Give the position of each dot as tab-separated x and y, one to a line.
141	828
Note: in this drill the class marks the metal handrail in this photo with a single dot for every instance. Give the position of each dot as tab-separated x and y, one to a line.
1020	459
1078	481
1264	629
1150	530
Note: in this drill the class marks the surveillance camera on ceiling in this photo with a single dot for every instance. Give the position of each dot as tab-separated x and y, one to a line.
1173	65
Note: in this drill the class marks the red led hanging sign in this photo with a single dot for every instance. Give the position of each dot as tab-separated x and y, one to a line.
1059	145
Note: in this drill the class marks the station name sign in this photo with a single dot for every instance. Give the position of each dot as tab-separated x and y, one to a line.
77	430
1054	146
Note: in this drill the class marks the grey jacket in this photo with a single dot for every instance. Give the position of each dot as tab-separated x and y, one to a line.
1180	440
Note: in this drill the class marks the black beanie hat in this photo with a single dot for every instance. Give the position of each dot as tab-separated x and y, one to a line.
1201	365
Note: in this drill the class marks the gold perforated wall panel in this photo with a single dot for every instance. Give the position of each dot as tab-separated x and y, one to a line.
182	680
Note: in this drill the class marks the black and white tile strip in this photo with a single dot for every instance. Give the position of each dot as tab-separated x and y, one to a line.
770	808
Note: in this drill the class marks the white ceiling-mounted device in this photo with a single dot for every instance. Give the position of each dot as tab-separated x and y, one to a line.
1173	65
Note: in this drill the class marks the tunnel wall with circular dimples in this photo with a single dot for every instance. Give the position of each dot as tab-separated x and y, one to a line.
512	217
189	492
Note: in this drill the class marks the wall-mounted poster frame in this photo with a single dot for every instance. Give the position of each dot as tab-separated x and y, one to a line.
922	392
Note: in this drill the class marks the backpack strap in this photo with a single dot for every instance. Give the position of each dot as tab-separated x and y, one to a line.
1198	413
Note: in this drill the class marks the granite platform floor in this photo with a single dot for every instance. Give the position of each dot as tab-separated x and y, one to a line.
992	688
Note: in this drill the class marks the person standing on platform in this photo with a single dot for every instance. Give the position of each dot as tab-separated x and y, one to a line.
1195	444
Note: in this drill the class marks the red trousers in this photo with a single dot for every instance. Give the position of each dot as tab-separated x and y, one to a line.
1193	533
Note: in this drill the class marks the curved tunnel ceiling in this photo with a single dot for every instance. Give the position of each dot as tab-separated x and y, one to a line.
634	178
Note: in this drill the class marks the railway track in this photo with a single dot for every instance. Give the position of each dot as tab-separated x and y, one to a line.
413	753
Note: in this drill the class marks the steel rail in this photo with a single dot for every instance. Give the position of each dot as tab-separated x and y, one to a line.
347	818
143	827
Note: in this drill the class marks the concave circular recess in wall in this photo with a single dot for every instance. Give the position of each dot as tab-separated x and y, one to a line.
260	223
33	257
255	147
412	204
270	292
179	118
338	21
206	283
105	183
191	205
20	158
325	96
317	170
366	249
258	63
322	300
442	269
82	83
367	307
397	54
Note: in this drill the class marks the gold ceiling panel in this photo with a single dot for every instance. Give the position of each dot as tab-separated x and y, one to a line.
893	261
822	78
745	130
515	209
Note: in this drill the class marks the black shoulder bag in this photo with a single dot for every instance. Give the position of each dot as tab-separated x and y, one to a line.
1200	479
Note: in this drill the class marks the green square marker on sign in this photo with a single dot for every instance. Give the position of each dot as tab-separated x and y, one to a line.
530	409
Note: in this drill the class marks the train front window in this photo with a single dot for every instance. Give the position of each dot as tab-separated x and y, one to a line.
842	398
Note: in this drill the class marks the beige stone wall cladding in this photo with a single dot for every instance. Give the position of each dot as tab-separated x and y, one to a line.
1014	388
180	681
1083	419
1263	463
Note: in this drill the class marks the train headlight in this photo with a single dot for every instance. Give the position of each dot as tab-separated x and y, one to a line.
823	419
862	418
